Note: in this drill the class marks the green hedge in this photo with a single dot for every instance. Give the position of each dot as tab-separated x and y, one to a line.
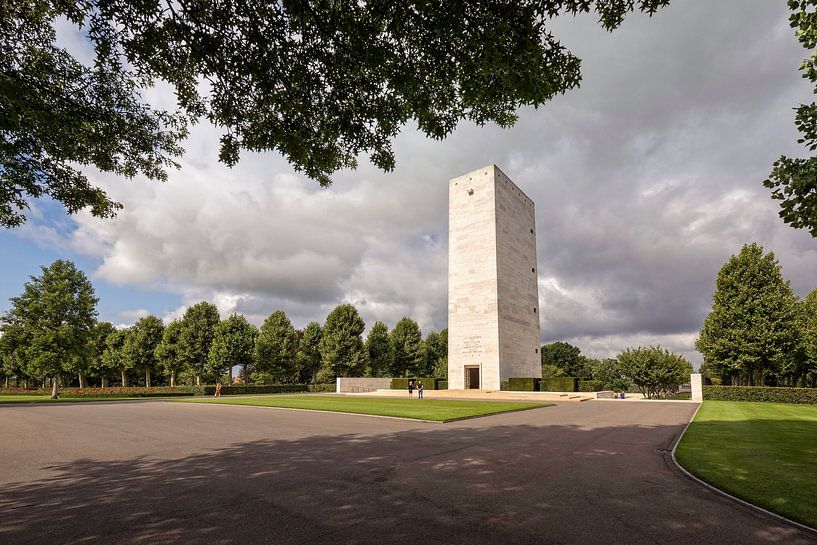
442	384
245	389
559	384
25	391
590	386
523	384
159	391
761	393
429	383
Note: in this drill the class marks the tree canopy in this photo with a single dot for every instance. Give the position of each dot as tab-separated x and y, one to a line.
309	353
196	335
52	321
752	333
342	351
276	349
654	370
379	349
233	344
793	181
564	357
320	82
140	345
407	350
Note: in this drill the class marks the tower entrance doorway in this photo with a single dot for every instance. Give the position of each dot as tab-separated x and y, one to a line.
472	377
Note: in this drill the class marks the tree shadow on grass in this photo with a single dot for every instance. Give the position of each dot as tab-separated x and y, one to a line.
497	484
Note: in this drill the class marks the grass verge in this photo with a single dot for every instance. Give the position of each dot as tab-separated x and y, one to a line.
438	410
764	453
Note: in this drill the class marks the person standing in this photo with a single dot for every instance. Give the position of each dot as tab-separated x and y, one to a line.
411	388
218	390
419	390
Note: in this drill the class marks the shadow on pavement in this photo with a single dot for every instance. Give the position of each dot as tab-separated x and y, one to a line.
501	484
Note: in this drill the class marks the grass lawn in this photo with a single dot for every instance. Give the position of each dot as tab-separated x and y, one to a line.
428	409
22	398
764	453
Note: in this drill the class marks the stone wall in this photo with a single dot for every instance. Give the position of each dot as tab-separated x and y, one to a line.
353	385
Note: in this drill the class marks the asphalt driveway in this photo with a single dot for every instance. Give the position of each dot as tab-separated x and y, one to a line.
151	472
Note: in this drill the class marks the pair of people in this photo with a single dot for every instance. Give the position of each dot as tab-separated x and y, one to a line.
419	389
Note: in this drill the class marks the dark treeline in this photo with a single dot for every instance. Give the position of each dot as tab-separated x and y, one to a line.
51	336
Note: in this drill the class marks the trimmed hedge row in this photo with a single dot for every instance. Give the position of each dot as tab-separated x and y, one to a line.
25	391
559	384
158	391
429	383
244	389
766	394
518	384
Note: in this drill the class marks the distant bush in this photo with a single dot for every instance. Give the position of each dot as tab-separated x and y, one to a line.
761	393
559	384
591	386
655	371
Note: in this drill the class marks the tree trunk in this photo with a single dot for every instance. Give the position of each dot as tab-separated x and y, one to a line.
104	382
246	378
229	375
7	381
81	380
147	377
173	378
54	388
124	378
198	380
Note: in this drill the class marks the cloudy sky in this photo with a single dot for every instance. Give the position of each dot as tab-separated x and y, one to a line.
645	181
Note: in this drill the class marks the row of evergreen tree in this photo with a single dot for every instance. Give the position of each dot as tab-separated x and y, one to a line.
51	332
759	332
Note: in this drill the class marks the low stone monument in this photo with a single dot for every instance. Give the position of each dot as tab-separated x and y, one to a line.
493	291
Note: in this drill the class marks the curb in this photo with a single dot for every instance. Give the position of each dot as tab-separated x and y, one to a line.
811	532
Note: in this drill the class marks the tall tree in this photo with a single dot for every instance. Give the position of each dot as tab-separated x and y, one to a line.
321	83
169	352
233	345
197	331
752	332
408	354
275	349
342	351
56	313
114	357
567	358
98	344
809	334
379	349
141	343
436	349
309	353
793	181
11	343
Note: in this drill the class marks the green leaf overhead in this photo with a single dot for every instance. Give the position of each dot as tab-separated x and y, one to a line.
321	82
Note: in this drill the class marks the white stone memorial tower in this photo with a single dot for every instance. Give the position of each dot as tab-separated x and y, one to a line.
493	295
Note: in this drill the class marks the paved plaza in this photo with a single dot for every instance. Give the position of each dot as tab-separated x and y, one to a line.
153	472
